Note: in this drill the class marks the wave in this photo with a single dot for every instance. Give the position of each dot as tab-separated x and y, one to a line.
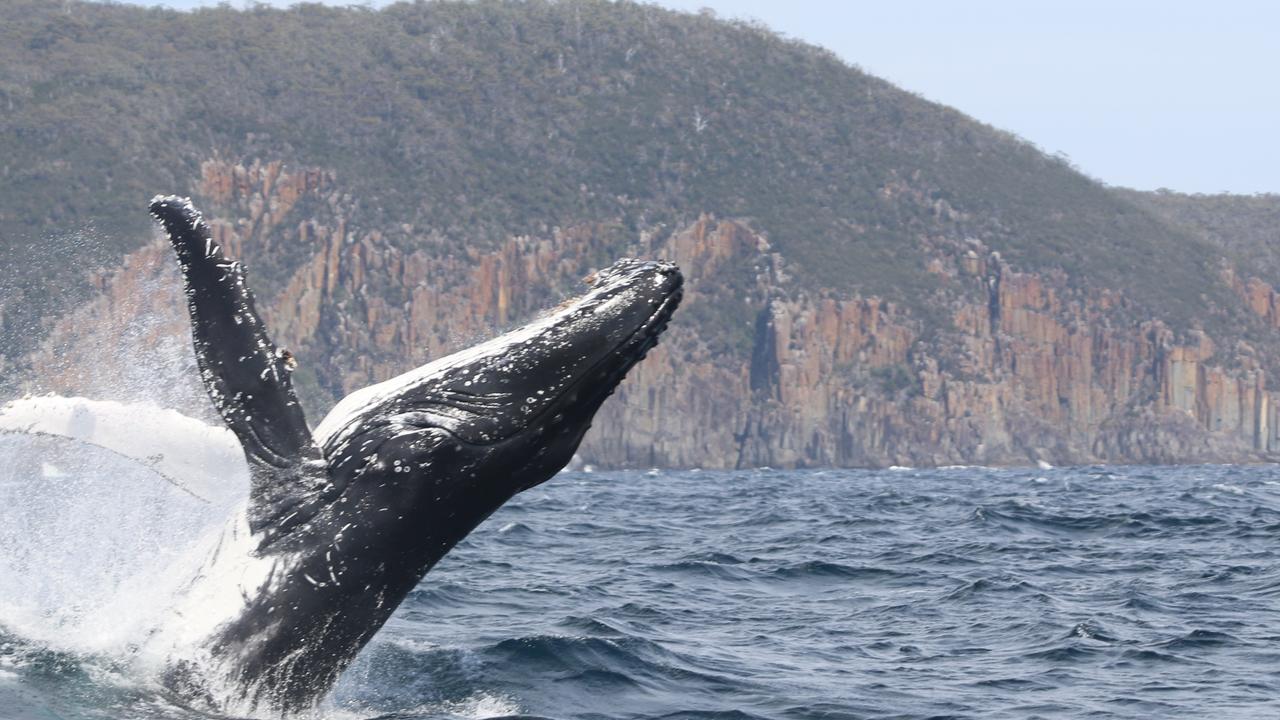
824	570
703	568
1200	639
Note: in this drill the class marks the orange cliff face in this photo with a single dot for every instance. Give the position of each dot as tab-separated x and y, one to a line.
755	369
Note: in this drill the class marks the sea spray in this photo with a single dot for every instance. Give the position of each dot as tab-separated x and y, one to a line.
131	344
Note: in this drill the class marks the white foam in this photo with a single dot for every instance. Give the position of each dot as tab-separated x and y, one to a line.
87	558
95	546
201	459
481	706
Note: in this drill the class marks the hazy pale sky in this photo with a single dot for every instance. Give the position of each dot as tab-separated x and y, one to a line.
1138	93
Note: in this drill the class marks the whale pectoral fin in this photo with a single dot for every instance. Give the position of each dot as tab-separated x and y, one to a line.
246	375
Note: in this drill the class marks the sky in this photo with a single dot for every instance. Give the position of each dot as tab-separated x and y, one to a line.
1136	93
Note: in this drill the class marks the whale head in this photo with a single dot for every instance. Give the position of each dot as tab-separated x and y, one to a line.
474	428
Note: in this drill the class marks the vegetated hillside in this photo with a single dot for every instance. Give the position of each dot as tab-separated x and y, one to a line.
475	121
874	278
1245	226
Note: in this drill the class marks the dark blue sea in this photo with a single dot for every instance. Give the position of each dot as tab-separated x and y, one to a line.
1099	592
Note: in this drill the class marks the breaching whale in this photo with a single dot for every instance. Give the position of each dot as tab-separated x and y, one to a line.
342	523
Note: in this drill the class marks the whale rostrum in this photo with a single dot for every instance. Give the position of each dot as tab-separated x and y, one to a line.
342	523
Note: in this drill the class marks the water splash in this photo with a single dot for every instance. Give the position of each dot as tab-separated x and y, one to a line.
89	541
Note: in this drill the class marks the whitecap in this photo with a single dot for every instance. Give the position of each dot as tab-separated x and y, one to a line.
481	706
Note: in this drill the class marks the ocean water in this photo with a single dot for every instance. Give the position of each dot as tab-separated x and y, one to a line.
1099	592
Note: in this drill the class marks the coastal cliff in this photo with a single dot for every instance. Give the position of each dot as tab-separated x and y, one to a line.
1007	367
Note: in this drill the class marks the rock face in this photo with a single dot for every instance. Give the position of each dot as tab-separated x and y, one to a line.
757	369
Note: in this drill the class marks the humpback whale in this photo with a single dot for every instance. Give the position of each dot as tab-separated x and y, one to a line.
341	523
